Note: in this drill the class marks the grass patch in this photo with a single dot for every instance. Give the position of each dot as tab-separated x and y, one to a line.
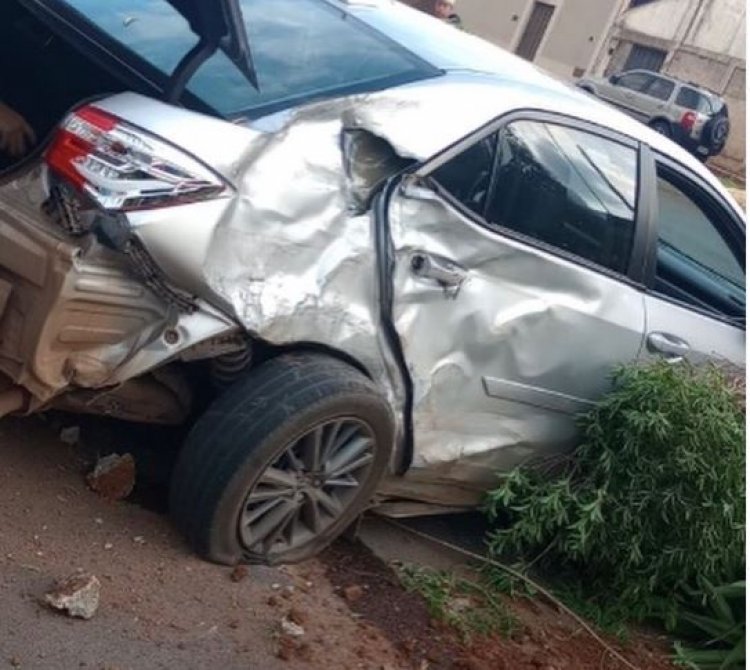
470	607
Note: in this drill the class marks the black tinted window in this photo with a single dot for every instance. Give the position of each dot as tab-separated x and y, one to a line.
467	176
564	187
695	263
567	188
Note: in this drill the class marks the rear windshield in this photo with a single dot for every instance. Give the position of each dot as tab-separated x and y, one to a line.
302	50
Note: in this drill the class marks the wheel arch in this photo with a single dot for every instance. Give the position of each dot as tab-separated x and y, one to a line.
311	347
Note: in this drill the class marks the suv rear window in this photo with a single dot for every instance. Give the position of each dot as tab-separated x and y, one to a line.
302	49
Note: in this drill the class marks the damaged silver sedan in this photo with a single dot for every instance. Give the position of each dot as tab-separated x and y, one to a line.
369	257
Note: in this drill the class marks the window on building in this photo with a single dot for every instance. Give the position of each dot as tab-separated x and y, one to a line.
642	57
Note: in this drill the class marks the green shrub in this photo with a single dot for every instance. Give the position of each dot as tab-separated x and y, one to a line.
652	501
715	617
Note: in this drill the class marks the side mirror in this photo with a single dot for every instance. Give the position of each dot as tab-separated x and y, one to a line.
614	78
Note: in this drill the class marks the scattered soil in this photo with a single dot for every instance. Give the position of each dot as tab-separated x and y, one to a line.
545	639
162	607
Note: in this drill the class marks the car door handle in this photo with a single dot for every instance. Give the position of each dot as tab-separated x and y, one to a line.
445	272
671	347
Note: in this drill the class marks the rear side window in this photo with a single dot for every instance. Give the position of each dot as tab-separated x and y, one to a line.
692	99
695	263
566	188
468	176
302	50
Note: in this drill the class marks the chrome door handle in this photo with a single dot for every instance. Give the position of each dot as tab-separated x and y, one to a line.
447	273
671	347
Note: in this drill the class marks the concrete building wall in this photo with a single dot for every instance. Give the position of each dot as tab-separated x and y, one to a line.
662	20
493	20
720	28
704	42
577	36
572	39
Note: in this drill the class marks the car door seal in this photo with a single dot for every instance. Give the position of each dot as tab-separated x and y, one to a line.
386	266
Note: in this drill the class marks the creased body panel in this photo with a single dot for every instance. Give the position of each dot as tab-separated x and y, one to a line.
501	365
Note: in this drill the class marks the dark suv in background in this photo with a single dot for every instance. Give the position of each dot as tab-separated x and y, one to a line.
692	116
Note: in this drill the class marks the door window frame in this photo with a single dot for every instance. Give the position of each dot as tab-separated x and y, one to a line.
645	198
728	225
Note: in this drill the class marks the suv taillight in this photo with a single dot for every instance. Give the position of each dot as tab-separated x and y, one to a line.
688	120
124	168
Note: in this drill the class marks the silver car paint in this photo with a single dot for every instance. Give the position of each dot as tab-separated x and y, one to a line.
294	262
289	255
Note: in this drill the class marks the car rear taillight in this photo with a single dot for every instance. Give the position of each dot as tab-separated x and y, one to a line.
124	168
688	120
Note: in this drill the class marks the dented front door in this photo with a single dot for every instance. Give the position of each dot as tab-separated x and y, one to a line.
511	295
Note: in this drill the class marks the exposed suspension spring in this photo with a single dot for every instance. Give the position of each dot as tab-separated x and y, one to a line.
228	368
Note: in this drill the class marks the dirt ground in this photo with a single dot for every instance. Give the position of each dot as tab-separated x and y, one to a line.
161	607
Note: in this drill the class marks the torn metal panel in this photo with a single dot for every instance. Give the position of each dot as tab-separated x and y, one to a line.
77	316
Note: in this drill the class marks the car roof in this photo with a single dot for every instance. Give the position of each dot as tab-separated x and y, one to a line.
689	84
482	82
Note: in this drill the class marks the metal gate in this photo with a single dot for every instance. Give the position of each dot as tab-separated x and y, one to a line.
535	29
645	58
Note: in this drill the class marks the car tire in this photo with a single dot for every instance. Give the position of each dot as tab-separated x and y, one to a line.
250	461
715	133
661	127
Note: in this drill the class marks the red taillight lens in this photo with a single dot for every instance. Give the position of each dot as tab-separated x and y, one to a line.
688	120
124	168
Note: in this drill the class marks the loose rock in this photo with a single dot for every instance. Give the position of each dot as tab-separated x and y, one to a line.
78	595
238	573
353	593
296	615
288	627
113	477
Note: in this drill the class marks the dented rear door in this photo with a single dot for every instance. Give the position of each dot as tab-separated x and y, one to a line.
514	297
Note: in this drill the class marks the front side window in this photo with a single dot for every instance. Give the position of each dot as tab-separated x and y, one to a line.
635	81
695	263
566	188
